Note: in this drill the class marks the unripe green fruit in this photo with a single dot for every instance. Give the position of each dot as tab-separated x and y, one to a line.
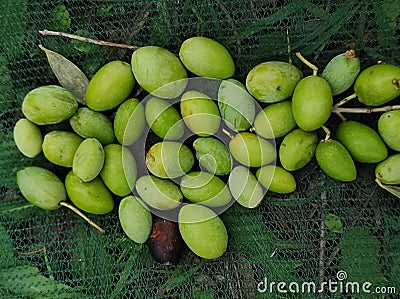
245	187
206	57
119	171
159	72
110	86
204	188
389	129
92	197
312	103
158	193
48	105
59	147
275	120
378	84
135	219
388	171
273	81
163	119
251	150
276	179
363	142
200	113
341	72
92	124
169	159
129	122
28	138
213	155
297	149
236	105
88	159
203	231
335	160
41	187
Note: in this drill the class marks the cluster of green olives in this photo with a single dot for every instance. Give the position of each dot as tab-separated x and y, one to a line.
215	138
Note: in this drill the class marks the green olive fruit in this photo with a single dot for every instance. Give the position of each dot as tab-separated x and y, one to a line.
110	86
245	188
363	142
92	197
59	147
41	187
28	138
205	188
48	105
206	57
203	231
335	160
312	103
297	149
341	71
388	171
163	119
389	129
129	122
276	179
200	113
236	105
273	81
251	150
119	172
160	194
135	219
92	124
378	84
275	120
169	159
159	72
213	155
88	160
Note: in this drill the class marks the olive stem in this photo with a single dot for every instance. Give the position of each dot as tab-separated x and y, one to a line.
345	100
396	83
86	39
327	134
227	133
350	54
339	110
79	213
309	64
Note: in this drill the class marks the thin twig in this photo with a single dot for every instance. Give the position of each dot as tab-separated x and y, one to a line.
327	133
86	39
338	110
345	100
79	213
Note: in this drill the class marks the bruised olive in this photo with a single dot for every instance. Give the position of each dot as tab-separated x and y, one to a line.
165	242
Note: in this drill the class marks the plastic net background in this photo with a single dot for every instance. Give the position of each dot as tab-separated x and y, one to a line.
308	236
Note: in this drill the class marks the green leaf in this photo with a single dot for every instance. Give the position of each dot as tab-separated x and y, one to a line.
61	19
14	19
203	294
333	223
82	46
360	252
394	261
27	280
68	74
7	258
386	16
395	190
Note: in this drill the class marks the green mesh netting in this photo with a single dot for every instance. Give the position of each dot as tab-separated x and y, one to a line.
305	238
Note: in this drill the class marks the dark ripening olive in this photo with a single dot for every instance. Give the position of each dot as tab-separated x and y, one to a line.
165	242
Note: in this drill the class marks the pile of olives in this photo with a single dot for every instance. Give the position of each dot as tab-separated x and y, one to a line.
199	141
